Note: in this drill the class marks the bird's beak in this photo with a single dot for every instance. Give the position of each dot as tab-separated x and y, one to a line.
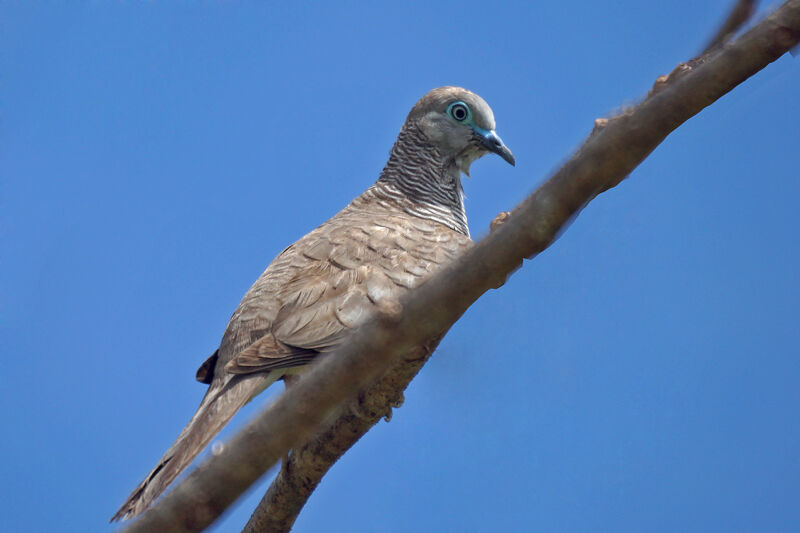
492	142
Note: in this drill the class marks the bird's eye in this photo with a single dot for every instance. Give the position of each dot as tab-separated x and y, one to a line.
459	111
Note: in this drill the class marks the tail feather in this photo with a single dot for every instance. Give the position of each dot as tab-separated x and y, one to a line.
218	406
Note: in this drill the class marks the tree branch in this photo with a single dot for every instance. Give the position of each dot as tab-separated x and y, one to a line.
740	13
398	339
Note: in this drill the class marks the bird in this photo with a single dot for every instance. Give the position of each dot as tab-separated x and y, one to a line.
316	292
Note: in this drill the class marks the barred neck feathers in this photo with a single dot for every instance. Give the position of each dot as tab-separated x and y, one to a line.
419	180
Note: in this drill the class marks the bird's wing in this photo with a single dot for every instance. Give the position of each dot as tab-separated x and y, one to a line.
340	275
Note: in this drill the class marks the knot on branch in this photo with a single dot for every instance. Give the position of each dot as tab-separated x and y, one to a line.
599	124
498	221
662	82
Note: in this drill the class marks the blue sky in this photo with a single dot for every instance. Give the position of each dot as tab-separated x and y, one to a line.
640	375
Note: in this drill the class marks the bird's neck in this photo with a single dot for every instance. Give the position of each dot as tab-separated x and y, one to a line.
422	182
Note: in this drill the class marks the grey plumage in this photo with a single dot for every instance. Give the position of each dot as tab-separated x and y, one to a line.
386	241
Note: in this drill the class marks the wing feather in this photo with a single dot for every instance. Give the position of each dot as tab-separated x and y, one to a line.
328	283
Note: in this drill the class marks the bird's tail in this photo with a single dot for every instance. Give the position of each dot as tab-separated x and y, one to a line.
218	406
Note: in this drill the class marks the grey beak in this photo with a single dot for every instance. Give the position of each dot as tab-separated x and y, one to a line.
492	142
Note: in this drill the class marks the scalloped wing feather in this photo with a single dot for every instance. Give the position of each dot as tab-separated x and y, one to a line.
331	281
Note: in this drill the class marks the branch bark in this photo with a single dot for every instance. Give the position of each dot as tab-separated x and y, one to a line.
385	354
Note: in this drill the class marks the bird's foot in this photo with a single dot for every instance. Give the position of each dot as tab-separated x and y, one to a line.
355	409
394	404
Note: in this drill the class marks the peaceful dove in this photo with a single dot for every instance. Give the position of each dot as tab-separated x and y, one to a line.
312	296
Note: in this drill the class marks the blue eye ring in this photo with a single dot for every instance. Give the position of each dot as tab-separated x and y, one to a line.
460	112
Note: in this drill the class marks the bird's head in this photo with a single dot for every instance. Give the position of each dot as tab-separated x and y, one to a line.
460	124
